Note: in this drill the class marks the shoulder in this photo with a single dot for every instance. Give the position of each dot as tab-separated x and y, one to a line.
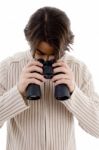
19	56
78	64
71	59
16	58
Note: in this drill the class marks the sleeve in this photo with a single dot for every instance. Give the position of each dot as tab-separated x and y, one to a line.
84	104
11	102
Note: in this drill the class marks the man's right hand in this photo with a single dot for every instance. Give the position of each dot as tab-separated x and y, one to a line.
31	73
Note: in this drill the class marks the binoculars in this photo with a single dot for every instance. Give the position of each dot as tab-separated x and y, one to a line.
33	91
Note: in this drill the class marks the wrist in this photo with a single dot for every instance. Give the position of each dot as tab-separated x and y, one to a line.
22	93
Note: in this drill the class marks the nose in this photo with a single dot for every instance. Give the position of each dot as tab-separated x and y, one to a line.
48	57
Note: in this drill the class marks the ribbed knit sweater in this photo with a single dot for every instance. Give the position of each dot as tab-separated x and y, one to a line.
47	123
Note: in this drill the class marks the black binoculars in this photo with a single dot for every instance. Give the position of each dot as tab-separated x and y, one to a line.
33	91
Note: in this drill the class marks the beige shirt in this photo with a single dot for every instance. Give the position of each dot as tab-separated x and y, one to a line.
46	124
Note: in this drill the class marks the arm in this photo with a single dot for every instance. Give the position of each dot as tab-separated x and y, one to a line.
84	104
11	102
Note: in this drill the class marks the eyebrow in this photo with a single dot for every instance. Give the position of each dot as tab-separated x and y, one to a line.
42	52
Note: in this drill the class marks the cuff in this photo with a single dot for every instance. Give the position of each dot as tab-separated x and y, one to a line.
77	102
12	104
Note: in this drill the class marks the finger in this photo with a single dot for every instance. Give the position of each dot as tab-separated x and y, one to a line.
36	76
34	62
59	77
60	69
29	81
60	63
62	81
34	68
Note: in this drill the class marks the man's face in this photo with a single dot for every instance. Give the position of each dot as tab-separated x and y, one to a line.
44	51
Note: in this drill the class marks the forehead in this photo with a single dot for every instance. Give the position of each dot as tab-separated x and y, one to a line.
45	48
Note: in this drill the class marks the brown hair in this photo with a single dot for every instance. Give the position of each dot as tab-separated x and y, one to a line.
50	25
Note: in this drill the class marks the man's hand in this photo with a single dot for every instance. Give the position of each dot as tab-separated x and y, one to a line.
31	73
65	75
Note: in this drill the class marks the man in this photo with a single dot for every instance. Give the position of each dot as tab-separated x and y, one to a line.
46	123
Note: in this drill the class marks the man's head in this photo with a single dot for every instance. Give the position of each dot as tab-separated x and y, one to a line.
49	25
44	51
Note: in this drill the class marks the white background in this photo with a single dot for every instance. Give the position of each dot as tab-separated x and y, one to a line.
85	25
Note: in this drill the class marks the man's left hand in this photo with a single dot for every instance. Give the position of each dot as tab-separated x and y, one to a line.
65	75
